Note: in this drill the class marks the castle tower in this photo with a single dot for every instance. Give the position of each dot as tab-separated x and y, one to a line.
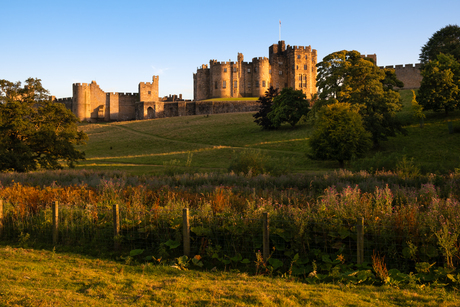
148	106
81	101
220	79
201	83
261	77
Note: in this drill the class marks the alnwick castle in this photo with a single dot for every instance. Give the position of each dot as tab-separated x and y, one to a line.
286	66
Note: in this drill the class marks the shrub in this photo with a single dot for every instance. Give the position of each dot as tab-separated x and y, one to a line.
253	162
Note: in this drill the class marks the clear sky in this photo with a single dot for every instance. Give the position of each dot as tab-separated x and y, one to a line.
121	43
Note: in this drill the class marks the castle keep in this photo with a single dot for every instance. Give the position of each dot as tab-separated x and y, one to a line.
291	66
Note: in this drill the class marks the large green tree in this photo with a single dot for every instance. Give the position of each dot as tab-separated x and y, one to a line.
35	132
289	106
345	76
440	86
446	40
265	107
339	134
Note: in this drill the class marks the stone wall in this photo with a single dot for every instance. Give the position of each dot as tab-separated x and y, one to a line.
409	74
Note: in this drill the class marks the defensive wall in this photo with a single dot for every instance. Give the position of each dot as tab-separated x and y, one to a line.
409	74
90	103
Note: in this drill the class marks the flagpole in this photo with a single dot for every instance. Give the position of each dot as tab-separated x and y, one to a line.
280	32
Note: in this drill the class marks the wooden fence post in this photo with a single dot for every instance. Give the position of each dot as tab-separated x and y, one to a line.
116	227
360	240
1	217
186	232
55	222
266	237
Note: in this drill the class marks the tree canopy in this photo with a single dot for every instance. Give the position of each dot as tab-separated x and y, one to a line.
446	40
339	134
440	86
289	106
345	76
35	132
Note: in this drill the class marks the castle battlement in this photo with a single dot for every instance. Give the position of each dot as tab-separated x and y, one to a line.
64	99
307	48
80	84
261	59
402	66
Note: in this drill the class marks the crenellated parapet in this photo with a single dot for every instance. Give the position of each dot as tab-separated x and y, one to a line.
409	74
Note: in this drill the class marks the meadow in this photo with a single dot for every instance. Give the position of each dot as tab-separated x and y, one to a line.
209	143
407	193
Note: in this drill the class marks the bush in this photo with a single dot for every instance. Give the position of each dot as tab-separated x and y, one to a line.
253	162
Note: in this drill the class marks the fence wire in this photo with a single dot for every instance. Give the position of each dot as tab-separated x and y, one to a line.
221	237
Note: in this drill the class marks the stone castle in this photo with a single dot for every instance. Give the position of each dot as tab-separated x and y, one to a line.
286	66
291	66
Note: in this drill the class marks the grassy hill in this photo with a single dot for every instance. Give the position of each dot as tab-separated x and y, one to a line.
210	143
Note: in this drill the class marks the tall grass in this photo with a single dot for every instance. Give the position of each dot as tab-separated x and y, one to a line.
407	219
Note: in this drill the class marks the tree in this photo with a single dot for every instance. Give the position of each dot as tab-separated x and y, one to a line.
439	89
35	132
345	76
266	102
289	106
339	134
446	40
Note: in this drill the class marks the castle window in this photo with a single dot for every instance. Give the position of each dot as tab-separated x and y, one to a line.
263	83
306	57
305	67
150	92
269	71
300	84
224	84
234	69
235	84
249	70
297	67
298	56
249	83
305	85
255	69
225	69
300	77
277	85
257	83
293	67
281	72
215	85
280	63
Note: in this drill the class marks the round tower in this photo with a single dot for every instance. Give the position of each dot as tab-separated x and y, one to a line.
261	77
220	79
80	105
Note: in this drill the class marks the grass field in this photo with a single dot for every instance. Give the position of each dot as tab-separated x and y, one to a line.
44	278
208	144
150	146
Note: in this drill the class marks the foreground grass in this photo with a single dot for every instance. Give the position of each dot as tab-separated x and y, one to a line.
43	278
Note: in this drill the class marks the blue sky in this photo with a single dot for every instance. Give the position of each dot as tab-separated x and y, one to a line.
121	43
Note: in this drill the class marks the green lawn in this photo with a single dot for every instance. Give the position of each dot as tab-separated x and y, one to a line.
43	278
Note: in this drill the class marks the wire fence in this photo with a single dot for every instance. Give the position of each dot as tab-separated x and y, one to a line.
168	233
